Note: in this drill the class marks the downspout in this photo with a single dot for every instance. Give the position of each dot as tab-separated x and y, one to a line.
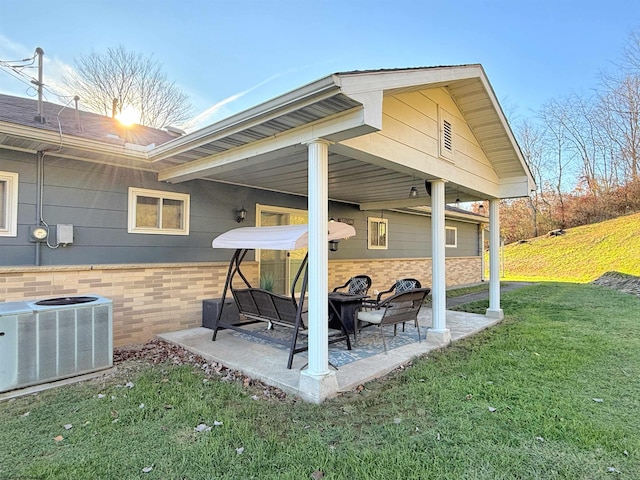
39	188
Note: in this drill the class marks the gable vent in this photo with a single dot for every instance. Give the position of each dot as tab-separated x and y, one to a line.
446	134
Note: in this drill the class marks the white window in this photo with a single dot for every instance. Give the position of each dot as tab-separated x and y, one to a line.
451	237
446	134
8	204
378	233
158	212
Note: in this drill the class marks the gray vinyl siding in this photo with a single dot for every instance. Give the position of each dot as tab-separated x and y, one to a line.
94	198
409	235
468	240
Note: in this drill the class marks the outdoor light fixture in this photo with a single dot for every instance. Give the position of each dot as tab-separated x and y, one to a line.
413	193
333	245
242	214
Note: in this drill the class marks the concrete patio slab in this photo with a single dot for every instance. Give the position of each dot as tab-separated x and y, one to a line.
267	363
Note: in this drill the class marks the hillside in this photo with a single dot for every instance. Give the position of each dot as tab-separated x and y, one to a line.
581	255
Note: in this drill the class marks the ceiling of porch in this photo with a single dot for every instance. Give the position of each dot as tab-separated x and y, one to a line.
361	180
264	147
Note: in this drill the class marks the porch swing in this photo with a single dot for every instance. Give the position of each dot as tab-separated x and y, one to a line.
259	305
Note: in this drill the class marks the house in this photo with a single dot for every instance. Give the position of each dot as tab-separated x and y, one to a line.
90	206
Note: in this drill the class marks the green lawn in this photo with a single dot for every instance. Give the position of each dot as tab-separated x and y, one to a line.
550	392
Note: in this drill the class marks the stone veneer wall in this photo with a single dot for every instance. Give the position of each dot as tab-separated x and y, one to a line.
459	271
150	299
147	299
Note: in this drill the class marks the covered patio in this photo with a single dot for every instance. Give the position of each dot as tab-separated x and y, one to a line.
409	140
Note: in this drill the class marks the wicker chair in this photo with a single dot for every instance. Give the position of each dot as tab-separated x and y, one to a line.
358	285
399	286
399	308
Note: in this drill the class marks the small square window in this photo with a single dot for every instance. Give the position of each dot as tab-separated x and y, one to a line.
451	237
8	204
378	233
158	212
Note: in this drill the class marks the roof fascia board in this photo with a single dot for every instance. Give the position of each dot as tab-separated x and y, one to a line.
515	187
507	128
372	102
351	119
128	163
290	101
358	82
68	141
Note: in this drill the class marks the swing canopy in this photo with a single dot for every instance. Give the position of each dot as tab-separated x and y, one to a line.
280	237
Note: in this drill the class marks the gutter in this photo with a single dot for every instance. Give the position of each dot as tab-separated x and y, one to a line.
324	88
56	140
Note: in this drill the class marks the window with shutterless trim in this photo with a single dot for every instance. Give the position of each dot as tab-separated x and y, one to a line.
451	237
157	212
8	204
378	229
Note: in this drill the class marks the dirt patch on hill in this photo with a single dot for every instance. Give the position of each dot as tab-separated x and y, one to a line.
620	281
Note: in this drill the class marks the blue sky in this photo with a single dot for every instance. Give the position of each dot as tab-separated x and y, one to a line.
233	54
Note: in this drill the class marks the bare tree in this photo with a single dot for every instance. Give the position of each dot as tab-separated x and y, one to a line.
129	80
530	140
620	117
620	108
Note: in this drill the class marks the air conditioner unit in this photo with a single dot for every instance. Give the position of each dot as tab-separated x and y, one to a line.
46	340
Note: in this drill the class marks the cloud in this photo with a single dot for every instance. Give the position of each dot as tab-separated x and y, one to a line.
205	117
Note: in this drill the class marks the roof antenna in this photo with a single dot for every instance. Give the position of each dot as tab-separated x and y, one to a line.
40	117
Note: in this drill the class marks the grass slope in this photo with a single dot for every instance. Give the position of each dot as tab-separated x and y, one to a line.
582	254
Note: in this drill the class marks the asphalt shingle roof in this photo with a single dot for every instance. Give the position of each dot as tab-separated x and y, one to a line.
23	111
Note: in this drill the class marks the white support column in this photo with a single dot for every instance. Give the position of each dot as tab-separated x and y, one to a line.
481	253
494	310
439	330
317	381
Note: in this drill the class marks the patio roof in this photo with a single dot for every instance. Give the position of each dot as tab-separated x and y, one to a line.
265	147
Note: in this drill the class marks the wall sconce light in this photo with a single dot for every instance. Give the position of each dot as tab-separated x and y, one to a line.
333	245
242	214
413	193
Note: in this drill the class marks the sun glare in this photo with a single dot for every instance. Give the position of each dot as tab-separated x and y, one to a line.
128	116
